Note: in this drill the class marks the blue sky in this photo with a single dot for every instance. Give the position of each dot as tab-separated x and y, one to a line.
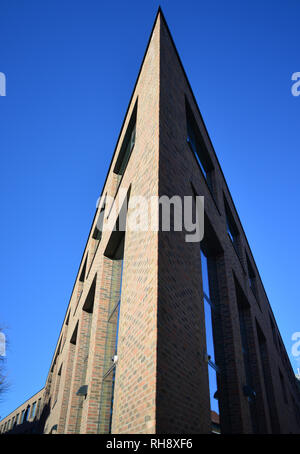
70	69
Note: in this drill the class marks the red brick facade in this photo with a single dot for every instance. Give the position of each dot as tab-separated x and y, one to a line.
160	381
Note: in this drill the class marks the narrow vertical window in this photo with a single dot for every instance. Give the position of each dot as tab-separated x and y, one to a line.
33	409
267	376
251	277
248	388
273	333
97	234
198	147
86	326
213	370
232	229
22	416
112	338
80	283
283	387
57	385
27	413
127	145
115	319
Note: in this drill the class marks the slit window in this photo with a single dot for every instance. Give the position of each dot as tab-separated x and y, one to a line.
245	333
210	312
22	416
198	147
273	332
82	274
283	387
251	277
127	145
27	413
73	339
232	229
33	409
97	234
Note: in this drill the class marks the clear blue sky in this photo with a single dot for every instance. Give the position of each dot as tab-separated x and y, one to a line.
71	67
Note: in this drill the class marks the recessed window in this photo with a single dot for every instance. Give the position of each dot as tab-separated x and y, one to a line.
251	276
68	317
27	413
22	416
273	332
283	387
245	323
198	147
232	229
73	339
33	409
267	377
115	249
97	233
57	385
210	314
83	271
127	145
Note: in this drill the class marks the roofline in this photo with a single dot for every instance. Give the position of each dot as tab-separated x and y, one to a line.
16	409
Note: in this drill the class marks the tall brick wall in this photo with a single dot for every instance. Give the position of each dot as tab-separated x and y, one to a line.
161	377
180	294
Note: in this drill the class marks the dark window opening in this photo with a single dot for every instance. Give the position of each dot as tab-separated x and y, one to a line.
245	327
268	384
22	416
83	271
33	409
282	382
27	413
89	301
73	339
97	233
275	340
251	277
127	145
68	317
198	147
232	229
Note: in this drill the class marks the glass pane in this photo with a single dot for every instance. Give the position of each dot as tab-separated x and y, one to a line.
213	387
209	332
205	281
112	399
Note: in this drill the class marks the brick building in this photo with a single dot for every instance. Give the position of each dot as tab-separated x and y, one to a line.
163	335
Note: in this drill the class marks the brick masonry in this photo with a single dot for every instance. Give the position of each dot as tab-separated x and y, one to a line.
161	377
